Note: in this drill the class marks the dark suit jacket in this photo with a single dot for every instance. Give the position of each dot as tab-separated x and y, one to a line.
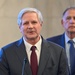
52	59
60	40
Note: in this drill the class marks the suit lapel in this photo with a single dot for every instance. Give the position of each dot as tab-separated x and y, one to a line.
21	53
43	57
63	41
20	50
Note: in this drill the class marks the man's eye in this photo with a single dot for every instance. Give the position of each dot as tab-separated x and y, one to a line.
74	17
68	18
25	23
34	22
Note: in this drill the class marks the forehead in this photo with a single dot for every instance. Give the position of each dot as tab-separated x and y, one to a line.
29	14
70	12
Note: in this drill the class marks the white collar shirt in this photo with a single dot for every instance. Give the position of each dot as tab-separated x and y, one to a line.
38	49
67	47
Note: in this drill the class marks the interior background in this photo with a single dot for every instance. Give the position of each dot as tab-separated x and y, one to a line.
51	9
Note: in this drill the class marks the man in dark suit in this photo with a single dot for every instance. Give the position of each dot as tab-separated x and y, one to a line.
68	22
51	58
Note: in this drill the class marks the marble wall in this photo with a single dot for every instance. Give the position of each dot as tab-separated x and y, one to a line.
51	9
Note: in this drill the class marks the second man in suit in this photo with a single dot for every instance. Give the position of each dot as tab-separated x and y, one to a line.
68	22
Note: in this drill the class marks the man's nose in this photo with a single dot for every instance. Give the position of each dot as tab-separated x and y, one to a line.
30	25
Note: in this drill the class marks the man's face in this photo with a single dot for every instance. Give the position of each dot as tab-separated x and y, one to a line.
68	21
31	26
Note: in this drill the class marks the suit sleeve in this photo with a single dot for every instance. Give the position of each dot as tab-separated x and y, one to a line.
3	64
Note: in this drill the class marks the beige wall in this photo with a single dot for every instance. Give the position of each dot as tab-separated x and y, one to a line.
51	10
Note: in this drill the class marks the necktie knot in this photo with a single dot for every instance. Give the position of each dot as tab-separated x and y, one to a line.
33	48
71	41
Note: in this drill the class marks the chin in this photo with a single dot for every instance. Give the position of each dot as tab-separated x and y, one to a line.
71	32
31	38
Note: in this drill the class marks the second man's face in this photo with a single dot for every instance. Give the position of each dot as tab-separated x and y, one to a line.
68	21
31	26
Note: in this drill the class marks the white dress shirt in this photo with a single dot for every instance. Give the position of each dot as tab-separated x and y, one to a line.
67	47
38	49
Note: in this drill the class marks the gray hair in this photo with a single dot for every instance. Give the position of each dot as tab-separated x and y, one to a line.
69	8
23	11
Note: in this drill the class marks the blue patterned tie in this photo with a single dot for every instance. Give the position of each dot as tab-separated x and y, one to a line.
72	57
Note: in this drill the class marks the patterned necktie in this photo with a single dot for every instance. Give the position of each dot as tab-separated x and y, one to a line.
34	63
72	57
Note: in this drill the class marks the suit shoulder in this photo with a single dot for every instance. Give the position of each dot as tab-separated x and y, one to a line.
54	45
55	37
12	44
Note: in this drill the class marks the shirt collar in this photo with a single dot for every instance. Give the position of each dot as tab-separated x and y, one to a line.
67	38
28	45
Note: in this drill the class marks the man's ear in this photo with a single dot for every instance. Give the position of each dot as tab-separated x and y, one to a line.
62	22
20	28
41	23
